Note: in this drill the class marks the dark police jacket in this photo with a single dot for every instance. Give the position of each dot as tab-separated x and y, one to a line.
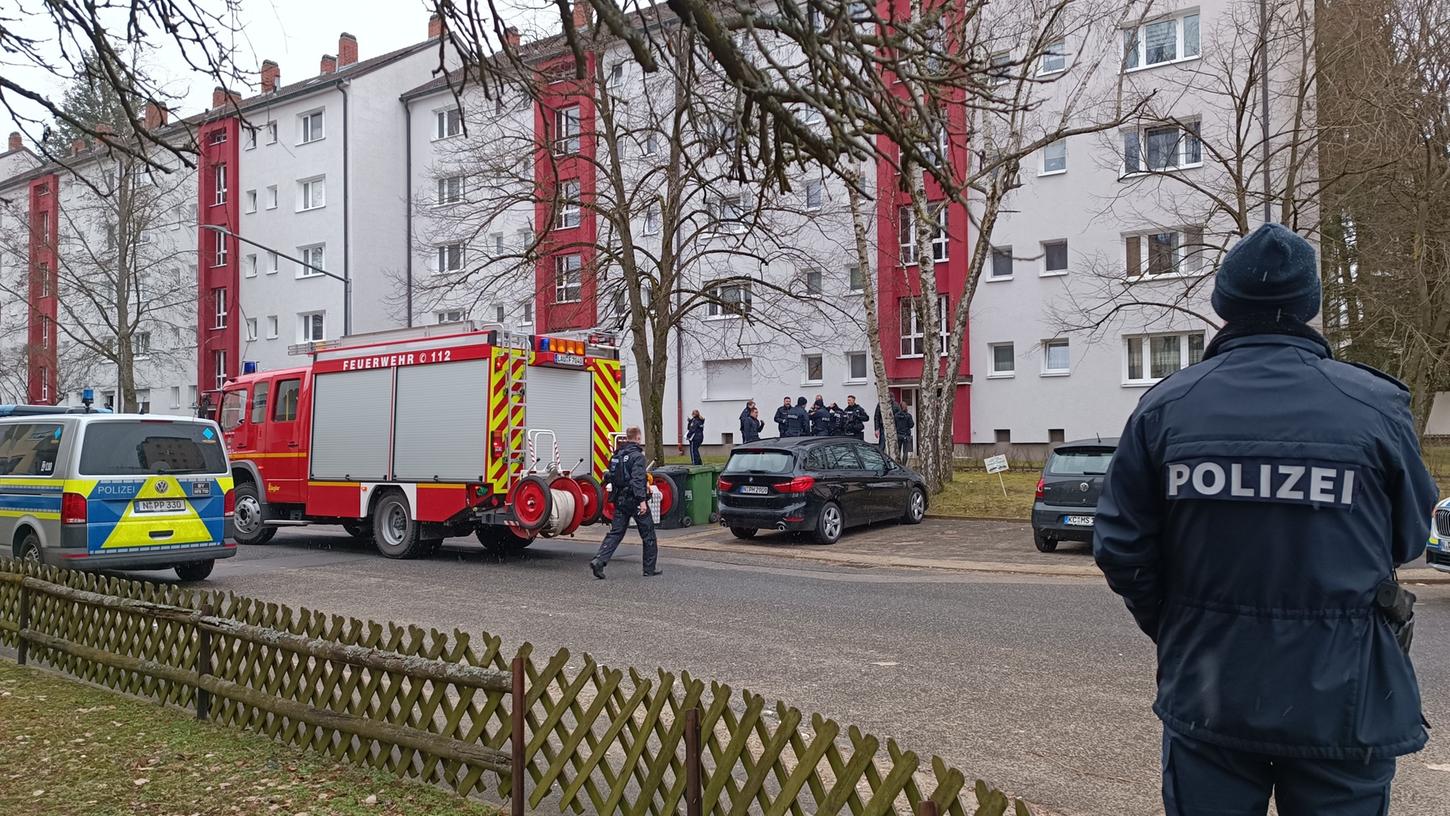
626	476
780	415
695	430
797	422
1255	502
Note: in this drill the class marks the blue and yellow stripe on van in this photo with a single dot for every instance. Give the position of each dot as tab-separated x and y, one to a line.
114	522
30	498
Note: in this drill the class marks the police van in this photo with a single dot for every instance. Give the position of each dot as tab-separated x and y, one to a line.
1438	551
115	491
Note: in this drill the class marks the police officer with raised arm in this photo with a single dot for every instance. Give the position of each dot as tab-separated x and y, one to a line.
1252	520
630	493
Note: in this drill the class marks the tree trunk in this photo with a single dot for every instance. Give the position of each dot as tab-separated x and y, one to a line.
873	321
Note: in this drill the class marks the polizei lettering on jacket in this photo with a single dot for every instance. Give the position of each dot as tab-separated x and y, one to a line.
1257	480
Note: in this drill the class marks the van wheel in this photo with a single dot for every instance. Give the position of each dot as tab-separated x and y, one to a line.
395	532
1045	543
829	524
746	533
247	524
195	571
30	549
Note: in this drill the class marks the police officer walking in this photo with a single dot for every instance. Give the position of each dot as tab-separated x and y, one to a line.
630	491
855	423
1252	519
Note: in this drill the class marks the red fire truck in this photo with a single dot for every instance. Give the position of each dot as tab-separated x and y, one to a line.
409	436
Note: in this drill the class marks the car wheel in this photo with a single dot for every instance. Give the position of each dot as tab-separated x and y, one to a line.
1045	543
829	524
746	533
915	507
395	533
30	549
247	519
195	571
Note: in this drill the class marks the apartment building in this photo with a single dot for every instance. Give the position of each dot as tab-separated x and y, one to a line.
305	181
93	247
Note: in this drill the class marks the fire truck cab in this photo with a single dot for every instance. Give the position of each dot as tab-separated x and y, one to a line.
409	436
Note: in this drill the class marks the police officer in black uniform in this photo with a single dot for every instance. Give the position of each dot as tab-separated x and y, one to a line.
630	491
855	423
797	420
780	414
1252	519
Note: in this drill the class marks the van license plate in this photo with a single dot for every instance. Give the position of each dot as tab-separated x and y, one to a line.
1078	521
160	505
755	490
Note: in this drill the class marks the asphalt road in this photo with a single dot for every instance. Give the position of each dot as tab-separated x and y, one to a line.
1039	685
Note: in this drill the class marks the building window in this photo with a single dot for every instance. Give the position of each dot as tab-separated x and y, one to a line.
1150	358
729	300
566	131
450	258
1054	158
1161	41
526	312
906	221
219	365
449	316
251	199
219	184
1001	263
271	263
219	249
447	123
450	189
569	206
312	194
219	308
272	327
913	333
311	127
251	329
498	313
272	197
999	69
271	133
616	75
1055	357
251	138
815	370
652	220
311	327
176	396
1163	147
251	265
1171	252
855	281
314	260
730	213
856	363
1004	360
568	279
1054	258
813	282
815	195
939	241
1054	58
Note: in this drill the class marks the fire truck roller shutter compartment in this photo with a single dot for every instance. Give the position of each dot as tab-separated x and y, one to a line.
562	400
441	430
348	409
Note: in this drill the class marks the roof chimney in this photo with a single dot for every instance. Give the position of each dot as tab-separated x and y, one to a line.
329	63
77	146
271	76
435	26
582	14
219	96
511	37
346	50
155	117
15	143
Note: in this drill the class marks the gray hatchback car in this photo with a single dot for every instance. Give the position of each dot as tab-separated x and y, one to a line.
1067	494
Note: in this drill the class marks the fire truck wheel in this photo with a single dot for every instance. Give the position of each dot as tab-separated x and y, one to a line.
501	540
395	533
532	503
247	526
593	502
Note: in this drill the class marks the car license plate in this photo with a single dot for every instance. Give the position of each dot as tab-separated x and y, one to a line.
160	505
755	490
1078	521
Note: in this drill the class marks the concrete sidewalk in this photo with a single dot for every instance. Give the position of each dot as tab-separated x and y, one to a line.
976	545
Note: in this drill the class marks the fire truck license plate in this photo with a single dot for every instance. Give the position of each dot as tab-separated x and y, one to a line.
160	505
756	490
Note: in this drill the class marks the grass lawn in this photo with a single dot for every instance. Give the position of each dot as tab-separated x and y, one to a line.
974	493
68	748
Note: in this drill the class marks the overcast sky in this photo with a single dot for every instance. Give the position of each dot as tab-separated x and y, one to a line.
294	33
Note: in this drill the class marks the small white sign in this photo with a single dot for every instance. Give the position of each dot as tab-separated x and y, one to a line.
996	464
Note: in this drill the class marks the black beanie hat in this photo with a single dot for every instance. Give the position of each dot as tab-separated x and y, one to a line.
1272	271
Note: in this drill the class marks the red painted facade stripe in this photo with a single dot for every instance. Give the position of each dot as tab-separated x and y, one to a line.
42	380
550	170
218	140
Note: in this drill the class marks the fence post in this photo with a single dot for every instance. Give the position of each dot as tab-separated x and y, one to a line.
23	647
516	742
203	665
692	761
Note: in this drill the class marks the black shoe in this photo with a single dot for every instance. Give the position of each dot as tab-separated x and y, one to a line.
654	573
597	568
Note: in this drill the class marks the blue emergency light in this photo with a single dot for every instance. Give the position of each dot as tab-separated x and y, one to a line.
249	366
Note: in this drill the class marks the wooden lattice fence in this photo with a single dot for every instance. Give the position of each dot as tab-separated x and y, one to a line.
452	709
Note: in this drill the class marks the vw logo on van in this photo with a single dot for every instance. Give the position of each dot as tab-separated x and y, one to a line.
163	486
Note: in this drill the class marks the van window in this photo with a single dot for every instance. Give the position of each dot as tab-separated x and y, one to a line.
29	449
144	447
234	408
259	402
284	405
